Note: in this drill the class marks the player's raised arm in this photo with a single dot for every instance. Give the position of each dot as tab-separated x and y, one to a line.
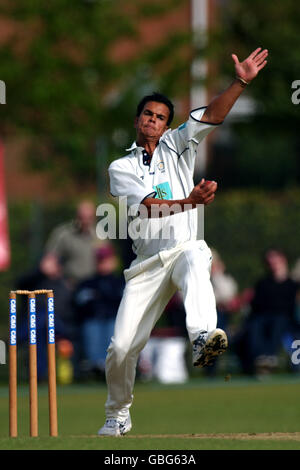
245	72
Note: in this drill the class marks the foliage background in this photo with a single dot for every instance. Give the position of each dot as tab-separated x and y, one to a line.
262	149
69	88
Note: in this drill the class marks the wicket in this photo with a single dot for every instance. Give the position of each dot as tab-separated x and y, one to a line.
32	342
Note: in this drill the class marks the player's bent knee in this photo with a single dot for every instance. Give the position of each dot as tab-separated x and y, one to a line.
119	351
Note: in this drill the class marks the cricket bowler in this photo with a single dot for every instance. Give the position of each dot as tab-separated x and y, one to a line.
156	177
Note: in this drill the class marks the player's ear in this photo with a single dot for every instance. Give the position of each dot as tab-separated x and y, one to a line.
136	121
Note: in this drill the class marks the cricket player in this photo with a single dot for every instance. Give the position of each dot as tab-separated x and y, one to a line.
156	177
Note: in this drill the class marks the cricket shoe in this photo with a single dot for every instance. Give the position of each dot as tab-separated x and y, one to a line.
115	427
208	346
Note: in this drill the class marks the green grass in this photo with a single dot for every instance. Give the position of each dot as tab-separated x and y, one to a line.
167	417
125	443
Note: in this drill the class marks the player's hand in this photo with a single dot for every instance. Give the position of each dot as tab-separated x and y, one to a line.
203	192
249	68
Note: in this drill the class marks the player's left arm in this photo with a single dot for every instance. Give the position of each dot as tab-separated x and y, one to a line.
245	72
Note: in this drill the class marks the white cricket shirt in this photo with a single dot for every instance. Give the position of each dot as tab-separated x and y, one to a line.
169	176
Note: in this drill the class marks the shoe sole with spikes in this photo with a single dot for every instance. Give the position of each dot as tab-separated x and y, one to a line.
216	344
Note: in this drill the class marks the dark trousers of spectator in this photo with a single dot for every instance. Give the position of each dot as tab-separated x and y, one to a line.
262	335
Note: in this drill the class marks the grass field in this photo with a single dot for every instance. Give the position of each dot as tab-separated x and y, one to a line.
202	414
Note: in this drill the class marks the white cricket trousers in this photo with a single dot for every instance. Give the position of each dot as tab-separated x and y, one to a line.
150	284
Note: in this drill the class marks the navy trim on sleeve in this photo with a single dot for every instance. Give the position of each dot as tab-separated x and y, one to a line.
204	122
153	194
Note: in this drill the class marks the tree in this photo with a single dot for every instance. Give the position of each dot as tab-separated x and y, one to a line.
265	147
65	87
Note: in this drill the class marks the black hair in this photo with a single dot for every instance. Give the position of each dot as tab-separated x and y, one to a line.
266	253
159	98
274	249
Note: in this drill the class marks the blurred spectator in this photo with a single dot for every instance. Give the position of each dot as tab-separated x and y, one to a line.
225	289
294	332
163	357
295	275
226	294
96	301
295	272
271	318
74	243
64	366
48	275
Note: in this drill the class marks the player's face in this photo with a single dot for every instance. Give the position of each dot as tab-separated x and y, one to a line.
152	122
